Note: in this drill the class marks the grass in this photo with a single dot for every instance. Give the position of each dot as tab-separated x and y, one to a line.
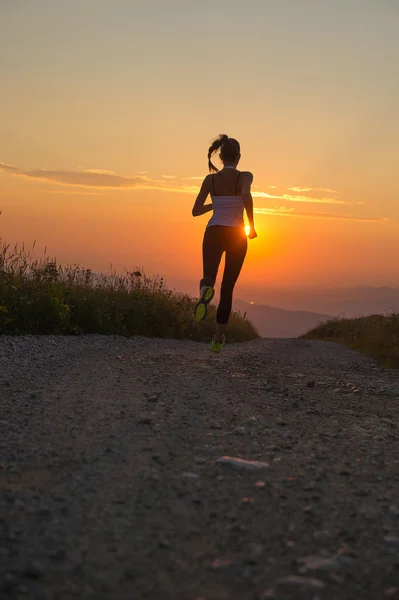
40	296
376	336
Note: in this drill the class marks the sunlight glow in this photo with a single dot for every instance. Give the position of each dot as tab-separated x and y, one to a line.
247	228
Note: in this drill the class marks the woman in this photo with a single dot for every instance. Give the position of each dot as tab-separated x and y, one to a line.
230	191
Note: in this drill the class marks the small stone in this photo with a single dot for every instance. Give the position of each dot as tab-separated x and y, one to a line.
388	422
221	563
152	398
34	569
305	583
163	543
392	540
269	594
310	486
240	431
43	511
389	592
256	550
310	384
361	493
57	554
320	563
240	464
9	581
144	421
189	475
22	589
322	534
59	498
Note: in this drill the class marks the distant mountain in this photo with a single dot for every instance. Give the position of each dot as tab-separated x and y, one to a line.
364	304
347	302
278	323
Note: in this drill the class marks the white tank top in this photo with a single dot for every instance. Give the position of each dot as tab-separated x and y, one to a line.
227	210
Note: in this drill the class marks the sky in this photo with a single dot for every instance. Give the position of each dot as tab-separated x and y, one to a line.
108	107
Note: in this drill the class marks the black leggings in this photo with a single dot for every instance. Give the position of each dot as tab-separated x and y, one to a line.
233	241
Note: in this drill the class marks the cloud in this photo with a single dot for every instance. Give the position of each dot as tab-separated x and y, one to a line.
81	178
310	189
97	179
284	211
198	178
98	171
305	199
280	210
73	192
8	168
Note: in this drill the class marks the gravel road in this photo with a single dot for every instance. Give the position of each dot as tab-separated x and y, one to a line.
111	487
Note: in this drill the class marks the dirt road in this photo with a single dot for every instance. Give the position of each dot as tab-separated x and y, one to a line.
111	486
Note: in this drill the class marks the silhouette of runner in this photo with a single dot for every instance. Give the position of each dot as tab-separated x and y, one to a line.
230	191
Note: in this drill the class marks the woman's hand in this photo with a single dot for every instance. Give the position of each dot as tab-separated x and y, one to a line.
252	233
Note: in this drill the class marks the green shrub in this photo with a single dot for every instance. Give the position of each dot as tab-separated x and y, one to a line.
42	297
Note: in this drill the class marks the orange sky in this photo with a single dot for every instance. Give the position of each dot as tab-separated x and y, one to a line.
103	144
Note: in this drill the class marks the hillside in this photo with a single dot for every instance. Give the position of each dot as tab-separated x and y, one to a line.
375	335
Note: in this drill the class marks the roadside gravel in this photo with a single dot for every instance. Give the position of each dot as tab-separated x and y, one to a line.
114	481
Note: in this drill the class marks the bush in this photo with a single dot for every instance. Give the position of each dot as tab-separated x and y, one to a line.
376	336
44	297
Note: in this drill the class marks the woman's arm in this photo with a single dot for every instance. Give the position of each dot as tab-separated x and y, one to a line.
248	202
200	208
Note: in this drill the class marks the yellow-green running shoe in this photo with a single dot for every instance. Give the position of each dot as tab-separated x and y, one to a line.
201	308
217	346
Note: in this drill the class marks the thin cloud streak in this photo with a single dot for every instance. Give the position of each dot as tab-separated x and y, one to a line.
310	189
72	192
306	199
283	211
95	179
97	171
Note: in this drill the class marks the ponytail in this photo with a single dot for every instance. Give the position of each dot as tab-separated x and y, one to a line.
217	143
230	149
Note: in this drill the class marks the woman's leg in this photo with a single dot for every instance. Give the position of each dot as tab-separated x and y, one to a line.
235	254
212	250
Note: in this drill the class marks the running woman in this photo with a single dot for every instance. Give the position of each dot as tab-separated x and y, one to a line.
230	192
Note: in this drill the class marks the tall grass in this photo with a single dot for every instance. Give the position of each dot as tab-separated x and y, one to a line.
41	296
376	336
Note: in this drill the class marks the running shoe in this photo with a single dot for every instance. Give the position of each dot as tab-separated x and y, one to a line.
217	346
201	308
